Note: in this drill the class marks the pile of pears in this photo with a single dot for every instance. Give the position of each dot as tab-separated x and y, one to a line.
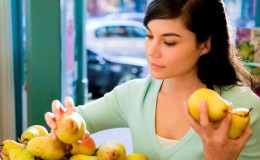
218	107
72	142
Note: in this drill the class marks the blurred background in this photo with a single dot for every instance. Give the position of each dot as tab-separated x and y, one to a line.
84	48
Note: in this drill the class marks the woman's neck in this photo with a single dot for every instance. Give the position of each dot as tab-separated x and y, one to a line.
181	86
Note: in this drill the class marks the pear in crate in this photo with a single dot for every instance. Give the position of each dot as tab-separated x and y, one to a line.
9	144
217	106
111	150
41	129
20	154
136	156
33	131
240	119
82	157
70	128
84	146
46	147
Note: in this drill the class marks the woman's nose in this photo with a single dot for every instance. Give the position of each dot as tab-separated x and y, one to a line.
153	50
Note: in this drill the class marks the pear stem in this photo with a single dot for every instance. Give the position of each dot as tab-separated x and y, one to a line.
19	140
251	109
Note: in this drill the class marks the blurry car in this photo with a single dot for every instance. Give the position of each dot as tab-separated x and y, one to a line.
136	16
121	37
105	71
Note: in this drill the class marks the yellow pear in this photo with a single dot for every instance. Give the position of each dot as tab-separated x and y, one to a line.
217	106
70	128
111	150
41	129
4	156
33	131
136	156
9	144
82	157
46	147
84	146
20	154
240	119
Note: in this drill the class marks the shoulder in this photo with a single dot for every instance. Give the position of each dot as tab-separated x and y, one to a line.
242	97
239	93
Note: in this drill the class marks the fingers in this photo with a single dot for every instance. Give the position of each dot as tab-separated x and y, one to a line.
69	103
86	135
204	118
247	133
53	135
194	124
186	112
225	124
57	109
49	118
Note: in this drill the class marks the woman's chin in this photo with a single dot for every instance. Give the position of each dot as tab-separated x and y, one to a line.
157	76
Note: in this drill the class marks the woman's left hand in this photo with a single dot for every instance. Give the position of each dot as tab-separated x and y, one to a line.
216	143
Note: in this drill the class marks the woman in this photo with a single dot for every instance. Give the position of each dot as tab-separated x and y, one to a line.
188	47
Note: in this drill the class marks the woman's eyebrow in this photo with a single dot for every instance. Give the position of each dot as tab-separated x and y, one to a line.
170	34
166	34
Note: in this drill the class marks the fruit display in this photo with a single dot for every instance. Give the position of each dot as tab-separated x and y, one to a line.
218	107
72	142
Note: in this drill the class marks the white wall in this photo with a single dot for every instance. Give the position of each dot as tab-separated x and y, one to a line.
7	112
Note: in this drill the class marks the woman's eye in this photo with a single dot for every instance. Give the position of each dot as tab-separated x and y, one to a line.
170	43
149	36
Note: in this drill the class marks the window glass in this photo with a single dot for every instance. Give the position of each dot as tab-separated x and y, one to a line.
136	32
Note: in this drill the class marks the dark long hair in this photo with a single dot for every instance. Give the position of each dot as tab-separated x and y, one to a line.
206	19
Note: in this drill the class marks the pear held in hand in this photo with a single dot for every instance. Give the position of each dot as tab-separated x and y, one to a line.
70	128
217	106
111	150
240	119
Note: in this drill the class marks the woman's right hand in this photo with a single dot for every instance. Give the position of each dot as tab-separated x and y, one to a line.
58	110
216	143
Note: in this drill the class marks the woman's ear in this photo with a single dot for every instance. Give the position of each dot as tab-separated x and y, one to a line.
206	46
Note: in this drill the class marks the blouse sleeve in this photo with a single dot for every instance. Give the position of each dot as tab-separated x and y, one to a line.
114	109
103	113
245	97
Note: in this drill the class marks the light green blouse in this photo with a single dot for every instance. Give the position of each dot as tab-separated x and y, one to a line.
133	105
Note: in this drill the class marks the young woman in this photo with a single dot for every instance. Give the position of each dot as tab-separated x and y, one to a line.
188	47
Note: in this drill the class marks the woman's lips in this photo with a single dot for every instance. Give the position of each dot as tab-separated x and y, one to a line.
155	66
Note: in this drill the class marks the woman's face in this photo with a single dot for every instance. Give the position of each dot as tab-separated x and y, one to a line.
171	49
